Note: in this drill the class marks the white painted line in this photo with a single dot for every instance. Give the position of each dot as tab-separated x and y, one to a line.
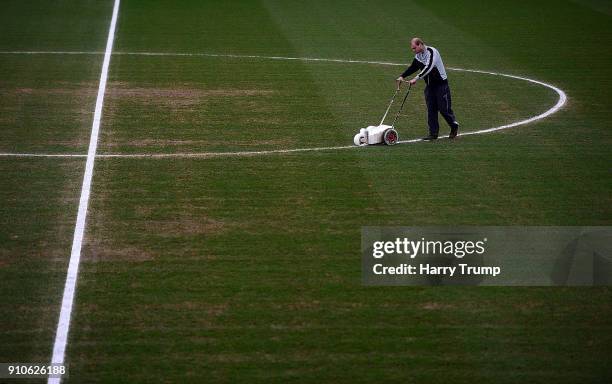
40	155
232	56
222	154
560	103
63	326
50	53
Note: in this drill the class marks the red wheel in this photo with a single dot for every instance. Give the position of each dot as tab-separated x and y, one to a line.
390	137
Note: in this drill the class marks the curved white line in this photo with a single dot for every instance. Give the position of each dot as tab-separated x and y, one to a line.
560	103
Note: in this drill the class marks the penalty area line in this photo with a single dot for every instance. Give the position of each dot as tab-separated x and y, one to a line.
63	325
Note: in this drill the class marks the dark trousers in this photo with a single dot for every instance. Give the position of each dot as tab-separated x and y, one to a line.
438	99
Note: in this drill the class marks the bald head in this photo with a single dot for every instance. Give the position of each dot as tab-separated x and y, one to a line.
417	45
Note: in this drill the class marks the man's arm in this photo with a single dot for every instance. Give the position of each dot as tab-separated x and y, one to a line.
415	66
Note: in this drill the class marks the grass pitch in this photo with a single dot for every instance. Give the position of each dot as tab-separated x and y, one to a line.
247	269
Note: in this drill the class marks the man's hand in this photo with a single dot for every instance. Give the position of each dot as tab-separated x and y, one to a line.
399	81
412	81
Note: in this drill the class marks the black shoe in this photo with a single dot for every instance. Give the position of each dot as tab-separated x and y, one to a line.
430	138
454	131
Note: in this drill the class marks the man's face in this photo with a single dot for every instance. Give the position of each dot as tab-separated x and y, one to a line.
416	48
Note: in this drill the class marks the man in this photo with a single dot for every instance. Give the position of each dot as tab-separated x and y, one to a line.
437	93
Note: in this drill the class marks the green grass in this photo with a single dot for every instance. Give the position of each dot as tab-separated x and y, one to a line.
248	269
46	102
38	210
64	25
46	106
